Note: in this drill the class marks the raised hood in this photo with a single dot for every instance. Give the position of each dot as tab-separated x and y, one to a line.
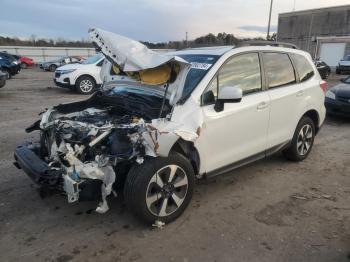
133	57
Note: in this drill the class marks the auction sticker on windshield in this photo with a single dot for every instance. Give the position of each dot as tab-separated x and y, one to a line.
202	66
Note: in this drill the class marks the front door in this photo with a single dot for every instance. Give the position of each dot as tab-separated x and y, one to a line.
240	130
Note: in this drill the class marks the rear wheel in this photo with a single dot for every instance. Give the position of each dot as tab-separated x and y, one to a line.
160	188
85	85
327	74
24	65
52	68
302	141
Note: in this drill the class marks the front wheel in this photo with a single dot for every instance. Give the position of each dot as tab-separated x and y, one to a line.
302	141
160	188
8	73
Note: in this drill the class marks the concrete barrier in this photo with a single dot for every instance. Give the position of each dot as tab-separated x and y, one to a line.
42	54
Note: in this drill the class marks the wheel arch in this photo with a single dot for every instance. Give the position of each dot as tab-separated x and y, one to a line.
88	75
188	149
313	114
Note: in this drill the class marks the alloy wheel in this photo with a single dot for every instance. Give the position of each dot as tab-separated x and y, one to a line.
166	190
304	140
86	86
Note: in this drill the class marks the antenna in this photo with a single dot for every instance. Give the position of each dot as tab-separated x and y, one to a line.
268	26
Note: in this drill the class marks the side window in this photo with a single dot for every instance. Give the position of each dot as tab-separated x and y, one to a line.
303	67
279	69
241	71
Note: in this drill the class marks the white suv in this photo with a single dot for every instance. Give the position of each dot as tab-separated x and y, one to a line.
218	109
83	77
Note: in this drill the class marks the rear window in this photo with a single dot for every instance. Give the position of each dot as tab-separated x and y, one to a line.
303	67
279	69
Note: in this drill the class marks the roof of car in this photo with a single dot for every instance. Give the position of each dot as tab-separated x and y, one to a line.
212	50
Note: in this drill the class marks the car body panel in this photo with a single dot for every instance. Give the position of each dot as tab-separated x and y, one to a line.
341	104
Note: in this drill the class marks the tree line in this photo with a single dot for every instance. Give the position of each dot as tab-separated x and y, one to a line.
206	40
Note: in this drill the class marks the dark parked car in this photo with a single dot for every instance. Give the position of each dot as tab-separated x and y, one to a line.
337	100
9	67
323	69
53	64
24	61
3	77
12	60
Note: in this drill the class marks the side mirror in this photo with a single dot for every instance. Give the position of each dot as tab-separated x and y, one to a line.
228	94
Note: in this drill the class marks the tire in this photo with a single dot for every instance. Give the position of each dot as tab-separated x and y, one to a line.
327	74
338	72
302	141
52	68
85	85
142	181
2	82
7	72
24	65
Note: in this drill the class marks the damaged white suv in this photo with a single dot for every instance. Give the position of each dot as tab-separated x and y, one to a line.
162	120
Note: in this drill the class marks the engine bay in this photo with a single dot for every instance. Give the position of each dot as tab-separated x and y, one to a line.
88	139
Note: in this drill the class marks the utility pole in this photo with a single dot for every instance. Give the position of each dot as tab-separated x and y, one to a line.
294	6
268	26
186	39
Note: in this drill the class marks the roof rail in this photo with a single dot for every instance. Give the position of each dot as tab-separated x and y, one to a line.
266	43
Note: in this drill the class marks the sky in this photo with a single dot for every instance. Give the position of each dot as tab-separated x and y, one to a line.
146	20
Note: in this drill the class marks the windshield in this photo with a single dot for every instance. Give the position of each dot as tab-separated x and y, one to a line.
92	59
200	65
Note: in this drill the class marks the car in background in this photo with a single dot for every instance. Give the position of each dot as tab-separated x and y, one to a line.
337	100
15	63
9	67
323	69
24	61
54	64
83	77
3	77
343	65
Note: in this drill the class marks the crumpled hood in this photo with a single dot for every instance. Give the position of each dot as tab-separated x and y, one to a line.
133	56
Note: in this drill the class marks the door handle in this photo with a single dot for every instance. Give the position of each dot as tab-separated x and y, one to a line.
300	93
262	105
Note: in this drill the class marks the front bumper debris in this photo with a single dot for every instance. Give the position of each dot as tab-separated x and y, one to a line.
45	176
37	169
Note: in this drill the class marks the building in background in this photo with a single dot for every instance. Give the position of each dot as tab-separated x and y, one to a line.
324	32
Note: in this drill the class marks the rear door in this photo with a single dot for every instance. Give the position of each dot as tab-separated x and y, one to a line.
240	130
287	97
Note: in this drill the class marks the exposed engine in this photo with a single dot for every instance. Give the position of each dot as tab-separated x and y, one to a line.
88	144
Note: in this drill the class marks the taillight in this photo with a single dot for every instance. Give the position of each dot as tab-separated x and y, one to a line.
323	85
